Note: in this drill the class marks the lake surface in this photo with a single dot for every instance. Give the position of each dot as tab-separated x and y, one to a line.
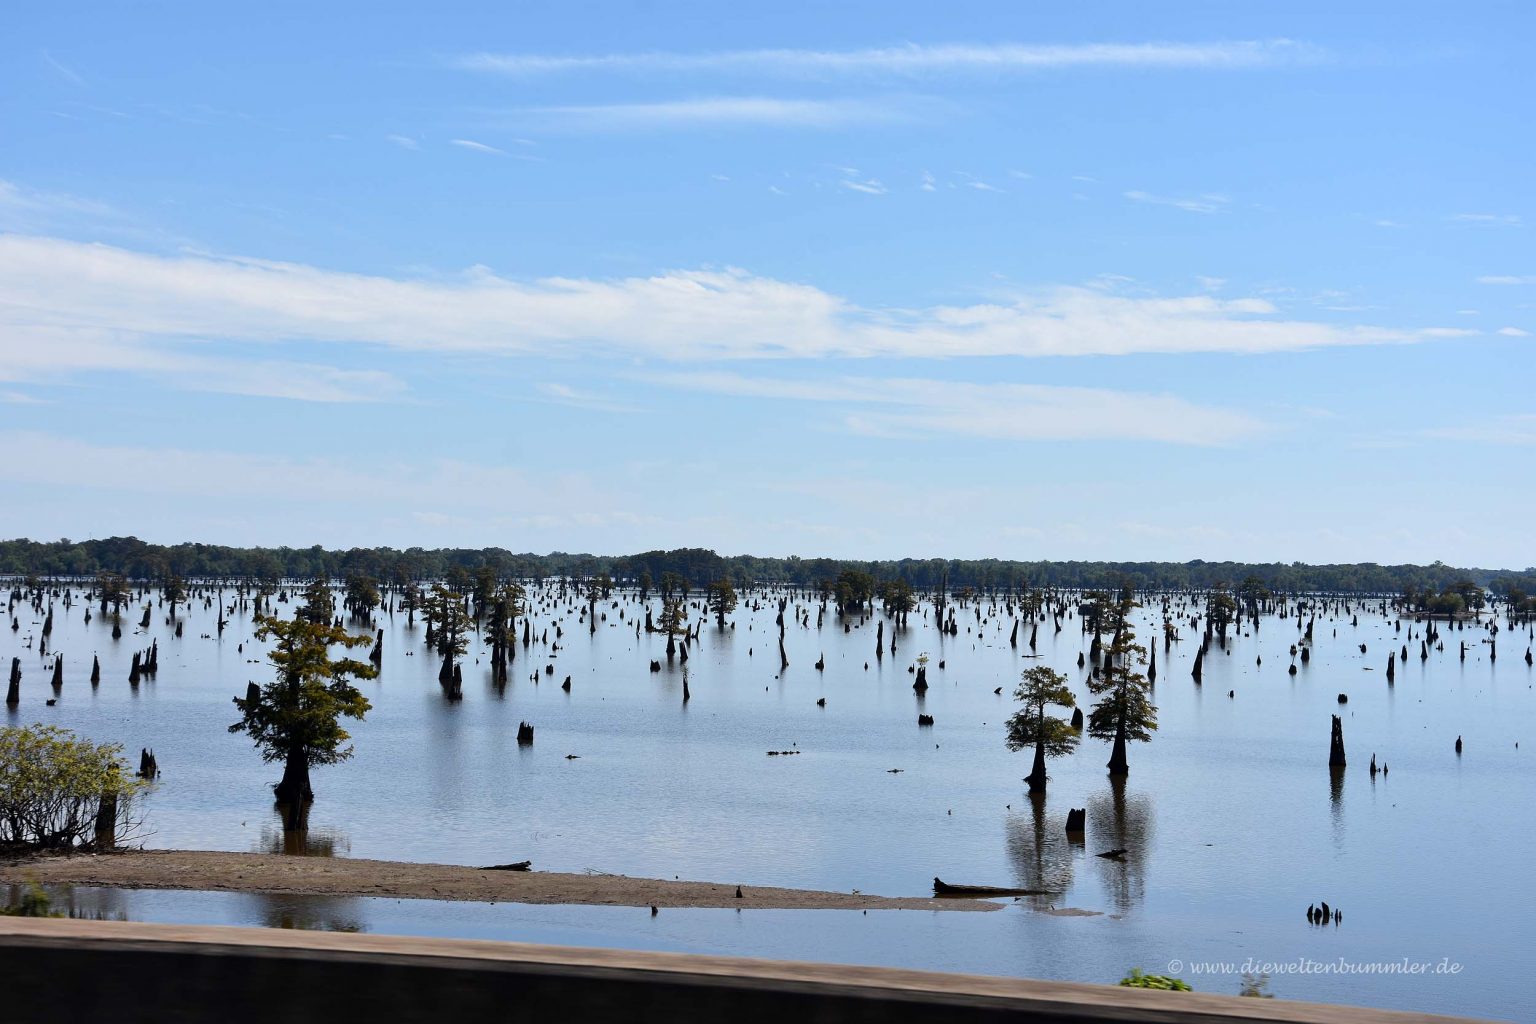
1230	817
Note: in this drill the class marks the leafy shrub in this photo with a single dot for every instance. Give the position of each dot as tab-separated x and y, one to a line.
1136	979
53	785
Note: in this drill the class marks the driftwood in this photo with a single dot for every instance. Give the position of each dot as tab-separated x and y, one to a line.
943	888
521	865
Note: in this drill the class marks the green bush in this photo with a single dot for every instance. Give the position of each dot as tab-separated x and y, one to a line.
1136	979
53	785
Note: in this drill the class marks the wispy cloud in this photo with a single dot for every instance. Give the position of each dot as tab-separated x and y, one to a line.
32	350
564	394
1519	429
1507	279
909	408
1514	332
63	69
19	200
715	111
869	186
1208	203
403	141
76	305
416	488
1491	219
478	147
907	60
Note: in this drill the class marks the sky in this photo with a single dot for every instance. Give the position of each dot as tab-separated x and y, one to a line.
1248	281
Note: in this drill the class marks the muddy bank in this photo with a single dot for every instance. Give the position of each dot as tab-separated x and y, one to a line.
325	876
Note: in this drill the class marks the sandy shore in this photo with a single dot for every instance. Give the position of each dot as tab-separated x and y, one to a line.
325	876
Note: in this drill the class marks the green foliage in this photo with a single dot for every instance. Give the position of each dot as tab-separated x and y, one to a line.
896	596
674	617
302	708
1251	591
1030	726
1136	979
1454	599
853	590
484	589
1220	608
113	591
319	604
52	783
362	595
722	599
1125	696
445	610
505	606
674	583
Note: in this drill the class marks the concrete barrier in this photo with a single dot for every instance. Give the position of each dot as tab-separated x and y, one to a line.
108	971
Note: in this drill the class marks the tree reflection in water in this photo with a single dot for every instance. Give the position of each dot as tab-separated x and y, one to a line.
1120	822
308	913
1336	801
1041	855
302	841
81	903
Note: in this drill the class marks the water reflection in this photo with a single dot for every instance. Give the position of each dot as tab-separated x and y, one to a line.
1041	856
1117	821
82	904
1336	801
303	841
308	913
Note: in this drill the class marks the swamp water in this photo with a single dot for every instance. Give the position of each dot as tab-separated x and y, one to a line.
1231	821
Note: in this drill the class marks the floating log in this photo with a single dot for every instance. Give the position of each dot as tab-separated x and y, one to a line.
943	888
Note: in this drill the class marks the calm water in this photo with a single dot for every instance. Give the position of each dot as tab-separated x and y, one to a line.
1230	817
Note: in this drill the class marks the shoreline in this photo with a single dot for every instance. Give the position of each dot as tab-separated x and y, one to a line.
281	874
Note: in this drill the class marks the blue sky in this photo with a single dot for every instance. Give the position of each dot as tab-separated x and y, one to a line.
1131	281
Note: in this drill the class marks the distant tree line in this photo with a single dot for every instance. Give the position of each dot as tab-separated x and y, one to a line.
698	567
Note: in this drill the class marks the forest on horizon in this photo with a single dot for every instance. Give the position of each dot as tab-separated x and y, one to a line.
136	559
